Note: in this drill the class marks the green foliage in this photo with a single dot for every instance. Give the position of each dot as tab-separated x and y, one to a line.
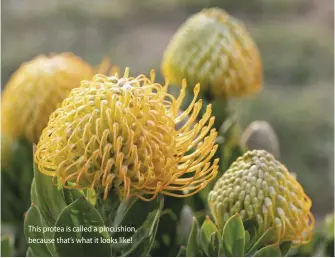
16	178
7	248
68	209
235	239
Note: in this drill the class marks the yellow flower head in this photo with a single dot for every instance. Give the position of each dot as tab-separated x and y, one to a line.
260	188
35	90
122	133
214	49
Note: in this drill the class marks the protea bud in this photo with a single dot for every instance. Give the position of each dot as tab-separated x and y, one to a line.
260	188
215	49
259	135
35	90
121	133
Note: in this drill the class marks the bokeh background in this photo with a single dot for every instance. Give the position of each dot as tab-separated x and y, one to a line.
295	38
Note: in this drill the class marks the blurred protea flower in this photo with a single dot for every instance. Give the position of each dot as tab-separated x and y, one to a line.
260	135
35	90
215	49
120	132
260	188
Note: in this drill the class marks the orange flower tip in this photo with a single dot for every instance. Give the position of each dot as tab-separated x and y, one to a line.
33	204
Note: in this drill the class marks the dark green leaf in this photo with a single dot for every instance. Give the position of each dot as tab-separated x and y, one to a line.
269	251
285	248
50	199
263	240
247	241
81	213
233	236
143	239
71	195
32	222
192	243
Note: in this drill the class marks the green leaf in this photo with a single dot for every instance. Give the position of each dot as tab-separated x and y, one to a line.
82	214
207	229
264	239
123	211
50	199
30	253
143	239
181	252
285	248
233	236
214	245
71	195
192	243
247	241
6	247
33	194
32	222
269	251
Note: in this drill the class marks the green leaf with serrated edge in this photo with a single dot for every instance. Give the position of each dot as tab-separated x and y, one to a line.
269	251
247	241
266	237
34	219
192	243
285	248
233	236
82	214
6	247
144	237
50	199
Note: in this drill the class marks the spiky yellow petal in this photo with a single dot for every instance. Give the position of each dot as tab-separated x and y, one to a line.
35	90
122	132
214	49
260	188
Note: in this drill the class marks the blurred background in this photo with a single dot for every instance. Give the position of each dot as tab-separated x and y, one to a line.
295	38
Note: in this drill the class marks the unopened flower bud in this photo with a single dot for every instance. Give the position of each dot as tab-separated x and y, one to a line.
274	200
214	49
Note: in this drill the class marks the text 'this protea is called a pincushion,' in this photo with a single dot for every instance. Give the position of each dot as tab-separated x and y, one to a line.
214	49
121	133
35	90
260	188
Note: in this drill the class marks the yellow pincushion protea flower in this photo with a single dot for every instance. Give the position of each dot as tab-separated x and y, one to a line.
214	49
121	133
259	187
35	90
